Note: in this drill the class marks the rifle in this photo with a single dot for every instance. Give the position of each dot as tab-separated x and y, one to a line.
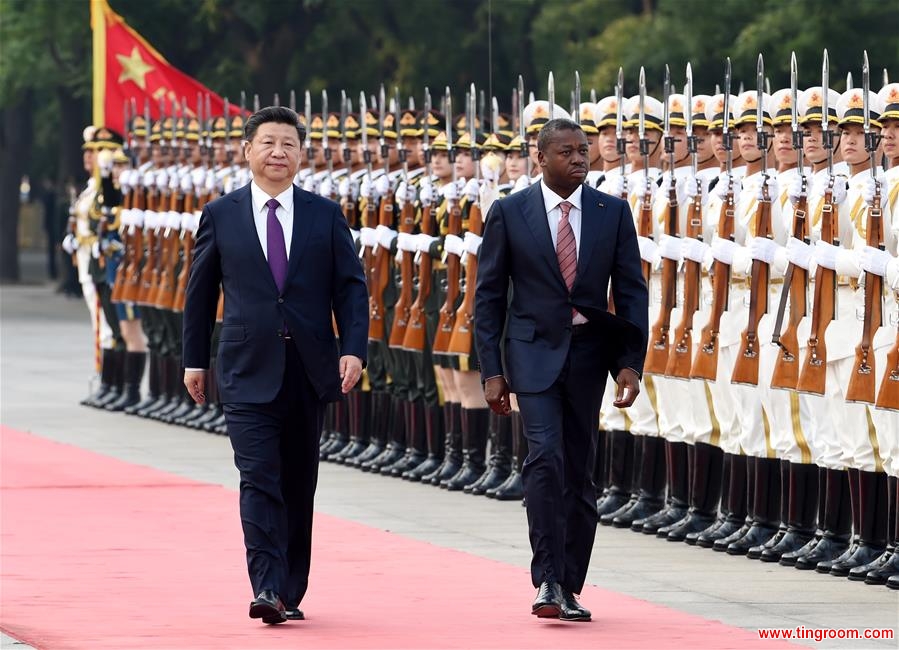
447	317
813	374
657	354
463	328
118	285
644	221
746	367
414	337
381	266
705	363
402	308
620	141
680	355
171	244
131	289
371	210
786	369
861	381
347	203
888	396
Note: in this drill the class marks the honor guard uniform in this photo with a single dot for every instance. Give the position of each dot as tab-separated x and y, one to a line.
605	117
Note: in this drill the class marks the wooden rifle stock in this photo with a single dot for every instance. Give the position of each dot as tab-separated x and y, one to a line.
659	344
453	271
463	329
187	254
746	367
403	307
680	357
380	274
705	363
368	258
414	337
165	294
888	395
150	272
861	381
645	230
121	277
786	367
813	373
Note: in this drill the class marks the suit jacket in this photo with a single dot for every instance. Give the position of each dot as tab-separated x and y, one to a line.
517	249
324	275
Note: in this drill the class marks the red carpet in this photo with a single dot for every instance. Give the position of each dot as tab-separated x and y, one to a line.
97	553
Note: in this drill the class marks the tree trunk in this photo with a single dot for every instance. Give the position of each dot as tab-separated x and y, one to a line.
15	151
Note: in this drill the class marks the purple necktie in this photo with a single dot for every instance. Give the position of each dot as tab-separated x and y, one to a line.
277	250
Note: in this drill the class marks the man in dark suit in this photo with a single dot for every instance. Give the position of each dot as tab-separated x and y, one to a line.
559	244
285	261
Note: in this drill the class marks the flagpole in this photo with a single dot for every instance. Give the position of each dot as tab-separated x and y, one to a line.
98	26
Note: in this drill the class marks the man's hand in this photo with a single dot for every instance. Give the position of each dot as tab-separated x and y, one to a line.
350	371
496	392
195	381
628	388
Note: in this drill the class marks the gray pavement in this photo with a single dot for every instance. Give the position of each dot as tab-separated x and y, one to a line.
45	367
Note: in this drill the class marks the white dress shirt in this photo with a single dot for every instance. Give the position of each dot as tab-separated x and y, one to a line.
551	202
260	215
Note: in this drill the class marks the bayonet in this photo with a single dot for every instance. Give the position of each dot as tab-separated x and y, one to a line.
872	138
228	144
593	95
577	97
400	145
326	149
551	92
521	127
382	140
276	100
209	120
473	139
494	114
666	124
426	136
482	106
688	115
366	154
344	147
725	127
849	84
620	144
798	133
255	102
826	133
293	101
310	150
761	134
641	126
450	152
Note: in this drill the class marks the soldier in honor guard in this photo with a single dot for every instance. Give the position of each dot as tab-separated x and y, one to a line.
605	113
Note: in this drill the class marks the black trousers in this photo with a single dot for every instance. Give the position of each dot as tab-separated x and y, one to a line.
276	451
560	425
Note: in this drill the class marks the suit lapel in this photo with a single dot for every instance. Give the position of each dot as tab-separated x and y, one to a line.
592	213
302	225
248	233
535	216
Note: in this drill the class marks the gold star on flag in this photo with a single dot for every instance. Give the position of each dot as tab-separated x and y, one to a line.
134	68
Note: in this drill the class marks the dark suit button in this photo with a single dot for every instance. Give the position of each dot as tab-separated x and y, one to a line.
280	301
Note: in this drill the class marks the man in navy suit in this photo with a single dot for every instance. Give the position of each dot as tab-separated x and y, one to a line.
285	261
558	245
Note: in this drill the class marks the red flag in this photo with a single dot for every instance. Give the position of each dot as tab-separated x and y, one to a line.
126	66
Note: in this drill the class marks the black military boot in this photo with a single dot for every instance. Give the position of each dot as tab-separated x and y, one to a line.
333	439
134	375
341	436
185	401
800	513
396	444
107	380
651	497
416	441
765	508
452	444
158	398
512	489
723	493
601	467
434	439
705	493
678	462
175	389
836	524
379	417
621	473
636	459
737	522
117	386
358	408
475	423
500	464
889	561
783	502
153	389
789	559
872	538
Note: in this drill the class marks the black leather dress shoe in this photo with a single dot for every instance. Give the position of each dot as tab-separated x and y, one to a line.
295	614
268	606
548	603
572	610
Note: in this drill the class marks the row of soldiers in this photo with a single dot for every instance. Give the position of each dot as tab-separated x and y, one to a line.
768	425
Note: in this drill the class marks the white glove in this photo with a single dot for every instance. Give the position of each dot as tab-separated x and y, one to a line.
187	184
174	181
382	185
721	188
472	243
450	191
773	189
162	180
125	180
104	162
423	242
523	182
426	192
679	194
385	236
763	249
871	187
839	188
343	188
137	218
826	254
198	177
195	224
671	248
174	220
618	185
367	188
406	241
794	189
187	221
875	261
70	244
405	193
648	186
369	237
723	250
95	250
212	182
471	190
799	253
691	189
491	169
326	188
649	250
356	235
454	245
310	184
696	250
